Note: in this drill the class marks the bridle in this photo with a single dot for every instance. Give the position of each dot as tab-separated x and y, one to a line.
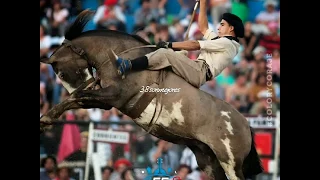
79	51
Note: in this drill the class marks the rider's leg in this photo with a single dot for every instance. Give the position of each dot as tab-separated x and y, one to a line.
193	71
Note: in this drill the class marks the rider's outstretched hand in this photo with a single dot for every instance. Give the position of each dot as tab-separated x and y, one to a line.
163	44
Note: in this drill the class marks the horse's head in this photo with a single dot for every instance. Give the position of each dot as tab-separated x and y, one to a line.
71	66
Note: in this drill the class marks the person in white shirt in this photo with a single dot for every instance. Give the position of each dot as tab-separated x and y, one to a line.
270	14
216	51
109	13
189	159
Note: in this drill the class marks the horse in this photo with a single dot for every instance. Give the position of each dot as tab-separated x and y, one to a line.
219	135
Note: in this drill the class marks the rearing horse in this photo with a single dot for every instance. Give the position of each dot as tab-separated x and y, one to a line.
218	135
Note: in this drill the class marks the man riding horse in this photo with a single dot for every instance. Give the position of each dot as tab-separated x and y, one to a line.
217	51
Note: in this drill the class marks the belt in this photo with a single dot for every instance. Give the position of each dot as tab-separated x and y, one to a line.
208	72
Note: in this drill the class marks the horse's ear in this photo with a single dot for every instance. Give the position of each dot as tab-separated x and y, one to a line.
45	60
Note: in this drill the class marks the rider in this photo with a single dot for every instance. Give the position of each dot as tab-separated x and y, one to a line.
217	51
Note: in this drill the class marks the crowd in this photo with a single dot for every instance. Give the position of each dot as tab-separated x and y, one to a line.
245	84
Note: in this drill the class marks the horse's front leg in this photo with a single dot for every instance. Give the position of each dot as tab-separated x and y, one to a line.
83	99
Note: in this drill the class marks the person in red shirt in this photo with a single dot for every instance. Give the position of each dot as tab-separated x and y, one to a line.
272	40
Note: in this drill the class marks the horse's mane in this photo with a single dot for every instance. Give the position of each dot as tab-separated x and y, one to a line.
75	30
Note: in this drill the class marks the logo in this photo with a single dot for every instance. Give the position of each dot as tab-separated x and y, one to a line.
160	173
268	56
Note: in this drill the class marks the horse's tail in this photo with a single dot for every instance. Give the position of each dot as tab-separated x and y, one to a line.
252	164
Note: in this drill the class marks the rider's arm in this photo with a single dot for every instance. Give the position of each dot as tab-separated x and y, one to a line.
203	19
203	22
218	45
190	45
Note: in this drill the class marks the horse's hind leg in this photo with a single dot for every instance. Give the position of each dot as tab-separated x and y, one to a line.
208	162
229	160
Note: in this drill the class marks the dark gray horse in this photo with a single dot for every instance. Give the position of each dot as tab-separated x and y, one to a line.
219	135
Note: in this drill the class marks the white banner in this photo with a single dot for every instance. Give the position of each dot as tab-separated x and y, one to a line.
110	136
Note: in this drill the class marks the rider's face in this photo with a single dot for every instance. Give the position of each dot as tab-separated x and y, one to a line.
224	28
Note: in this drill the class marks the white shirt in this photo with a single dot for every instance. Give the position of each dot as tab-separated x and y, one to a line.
217	53
45	42
100	13
189	159
266	16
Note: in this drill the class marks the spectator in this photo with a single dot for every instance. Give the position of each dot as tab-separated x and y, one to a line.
245	68
50	166
58	18
150	30
44	5
237	94
44	104
163	34
249	41
272	40
161	11
81	154
259	65
177	30
109	14
163	150
189	159
264	106
186	8
214	89
275	64
142	147
45	42
260	85
64	173
114	117
95	114
183	171
266	16
106	172
82	115
128	174
120	166
270	14
144	14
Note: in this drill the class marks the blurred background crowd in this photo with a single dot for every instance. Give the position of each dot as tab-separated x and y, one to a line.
244	84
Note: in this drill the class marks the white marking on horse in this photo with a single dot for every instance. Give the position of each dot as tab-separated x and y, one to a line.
228	124
166	117
225	113
230	165
68	87
229	127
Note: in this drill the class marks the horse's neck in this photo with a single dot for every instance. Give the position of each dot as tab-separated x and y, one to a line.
135	80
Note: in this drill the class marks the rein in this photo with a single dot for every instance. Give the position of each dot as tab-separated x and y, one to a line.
138	47
153	122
